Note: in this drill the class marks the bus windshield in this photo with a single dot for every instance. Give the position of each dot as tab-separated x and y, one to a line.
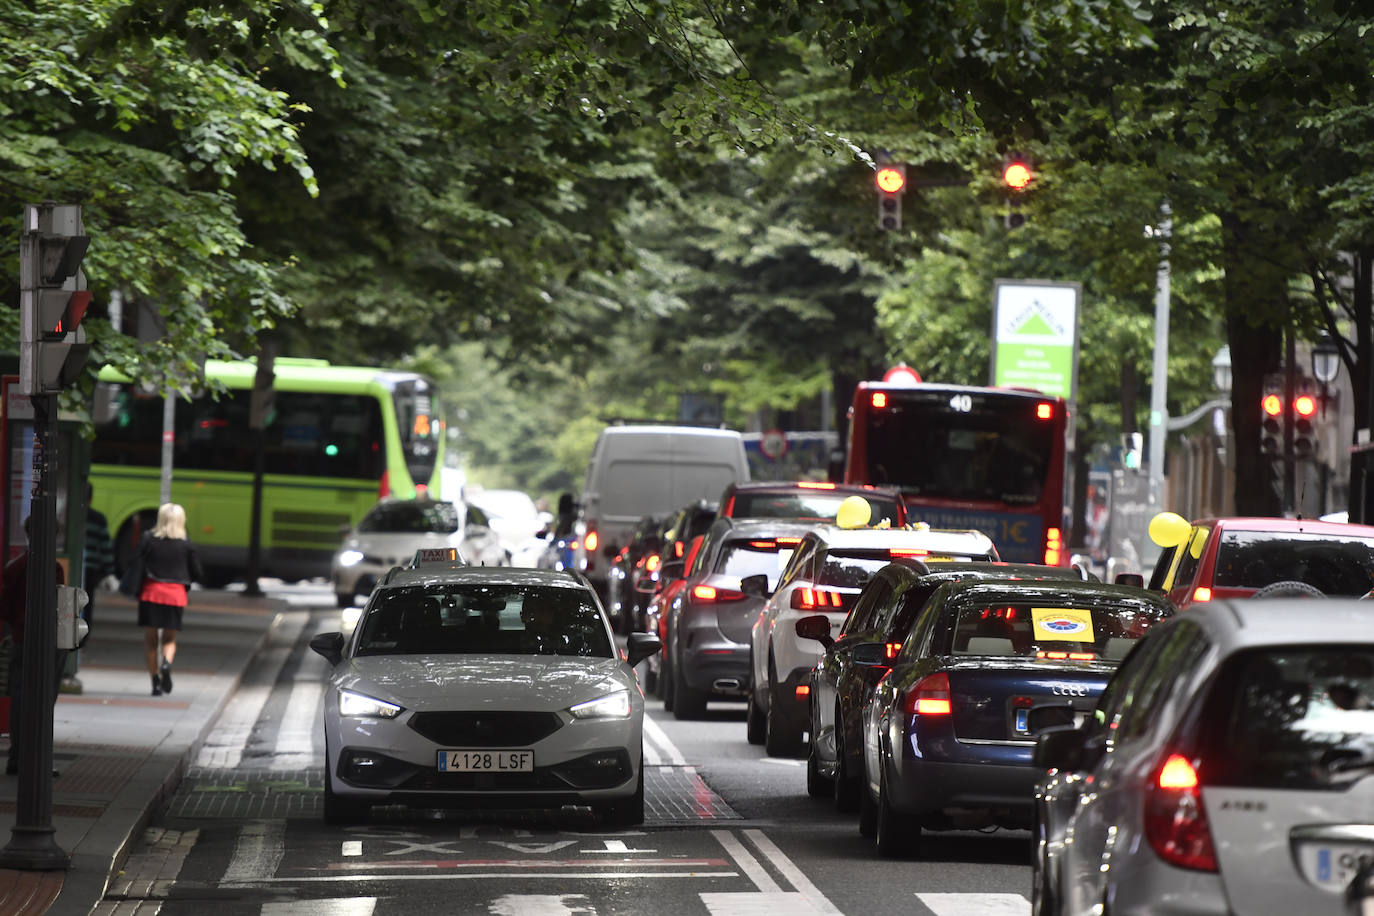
996	449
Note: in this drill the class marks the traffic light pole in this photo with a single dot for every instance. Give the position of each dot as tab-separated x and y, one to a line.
1290	391
33	844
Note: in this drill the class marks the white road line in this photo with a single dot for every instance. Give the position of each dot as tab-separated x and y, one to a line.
791	872
258	852
391	877
295	748
659	737
541	905
351	848
746	861
975	904
337	906
753	904
783	762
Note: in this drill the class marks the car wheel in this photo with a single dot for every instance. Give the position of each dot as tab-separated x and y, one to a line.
817	786
339	810
848	790
896	833
868	813
628	812
1289	588
755	722
688	703
777	741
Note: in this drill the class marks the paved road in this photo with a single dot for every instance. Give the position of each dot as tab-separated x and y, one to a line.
729	832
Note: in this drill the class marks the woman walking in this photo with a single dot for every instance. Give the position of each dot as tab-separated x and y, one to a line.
170	565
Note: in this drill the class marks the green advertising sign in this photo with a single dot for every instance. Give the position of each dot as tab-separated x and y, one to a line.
1035	336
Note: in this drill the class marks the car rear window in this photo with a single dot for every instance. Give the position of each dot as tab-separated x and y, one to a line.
817	505
1291	718
483	618
1336	565
852	569
742	558
1053	629
405	517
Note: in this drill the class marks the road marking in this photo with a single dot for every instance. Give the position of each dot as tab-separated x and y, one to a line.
258	852
784	762
615	847
791	872
541	905
665	744
533	848
503	875
745	860
352	848
295	748
756	904
520	864
975	904
223	747
337	906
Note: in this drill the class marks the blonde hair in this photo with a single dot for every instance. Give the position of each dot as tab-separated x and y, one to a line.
171	522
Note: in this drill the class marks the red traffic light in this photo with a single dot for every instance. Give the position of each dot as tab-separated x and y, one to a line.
1304	405
1272	405
890	180
1017	175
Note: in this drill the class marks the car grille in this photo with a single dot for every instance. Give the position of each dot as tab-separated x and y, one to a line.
485	729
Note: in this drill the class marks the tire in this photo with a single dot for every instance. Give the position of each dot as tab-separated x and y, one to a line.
628	812
688	703
340	811
896	834
1289	588
817	786
755	722
777	742
848	791
868	813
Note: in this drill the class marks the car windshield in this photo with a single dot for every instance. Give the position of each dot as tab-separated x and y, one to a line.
753	557
410	517
1051	627
483	618
1336	565
1291	718
818	505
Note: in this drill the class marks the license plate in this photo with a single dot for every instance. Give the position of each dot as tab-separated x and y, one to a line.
475	761
1331	866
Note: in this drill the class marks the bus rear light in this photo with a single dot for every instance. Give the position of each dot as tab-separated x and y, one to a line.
930	696
1175	819
1202	593
879	400
1044	411
1054	546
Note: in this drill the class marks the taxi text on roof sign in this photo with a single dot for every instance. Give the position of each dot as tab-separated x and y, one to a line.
444	556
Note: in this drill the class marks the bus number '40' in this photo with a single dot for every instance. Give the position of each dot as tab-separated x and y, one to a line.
961	402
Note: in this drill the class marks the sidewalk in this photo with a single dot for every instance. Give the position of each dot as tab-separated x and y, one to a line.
120	751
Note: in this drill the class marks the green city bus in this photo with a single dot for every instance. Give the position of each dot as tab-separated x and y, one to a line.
337	439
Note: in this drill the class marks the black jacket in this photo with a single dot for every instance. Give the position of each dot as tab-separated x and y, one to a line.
170	560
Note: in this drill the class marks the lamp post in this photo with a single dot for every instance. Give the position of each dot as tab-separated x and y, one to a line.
1326	365
1221	369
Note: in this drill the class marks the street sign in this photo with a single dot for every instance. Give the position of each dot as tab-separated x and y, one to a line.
1035	336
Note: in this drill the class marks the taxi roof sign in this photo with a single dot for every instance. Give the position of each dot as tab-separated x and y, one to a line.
438	556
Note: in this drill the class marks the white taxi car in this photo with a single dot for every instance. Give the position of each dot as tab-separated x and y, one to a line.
826	573
470	686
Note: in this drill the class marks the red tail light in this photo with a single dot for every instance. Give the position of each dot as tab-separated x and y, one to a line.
1202	593
908	552
591	540
653	563
813	599
1054	546
384	485
892	649
678	548
879	400
711	593
803	691
420	491
1044	411
930	697
1175	819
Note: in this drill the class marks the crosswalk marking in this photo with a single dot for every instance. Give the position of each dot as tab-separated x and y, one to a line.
258	852
788	869
541	905
746	861
760	904
975	904
663	747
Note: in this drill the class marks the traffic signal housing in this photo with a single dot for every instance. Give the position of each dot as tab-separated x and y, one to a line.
890	181
53	298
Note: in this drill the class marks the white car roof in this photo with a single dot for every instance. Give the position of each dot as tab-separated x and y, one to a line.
1257	622
939	540
440	574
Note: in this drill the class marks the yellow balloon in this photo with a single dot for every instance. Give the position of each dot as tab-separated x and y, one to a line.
1169	529
854	512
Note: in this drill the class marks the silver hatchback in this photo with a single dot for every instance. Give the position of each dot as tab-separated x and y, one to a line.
1228	768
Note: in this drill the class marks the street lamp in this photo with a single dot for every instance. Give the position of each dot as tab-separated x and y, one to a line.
1326	364
1221	369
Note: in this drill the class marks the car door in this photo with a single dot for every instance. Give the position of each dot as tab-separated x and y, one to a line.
835	710
796	572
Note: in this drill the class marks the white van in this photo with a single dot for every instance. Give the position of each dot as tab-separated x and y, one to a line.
650	470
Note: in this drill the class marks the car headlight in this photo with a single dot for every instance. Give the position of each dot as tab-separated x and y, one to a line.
611	706
360	704
350	557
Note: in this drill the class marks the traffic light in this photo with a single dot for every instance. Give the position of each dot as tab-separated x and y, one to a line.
1017	176
1132	444
53	298
1305	409
891	182
1271	425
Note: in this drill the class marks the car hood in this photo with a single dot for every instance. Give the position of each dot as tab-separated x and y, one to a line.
527	682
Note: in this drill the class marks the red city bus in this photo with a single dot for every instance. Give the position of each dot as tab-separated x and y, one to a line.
963	457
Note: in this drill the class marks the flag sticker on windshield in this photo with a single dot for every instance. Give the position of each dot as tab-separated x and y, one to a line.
1065	624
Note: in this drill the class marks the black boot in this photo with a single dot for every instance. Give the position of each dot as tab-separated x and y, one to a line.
157	686
166	676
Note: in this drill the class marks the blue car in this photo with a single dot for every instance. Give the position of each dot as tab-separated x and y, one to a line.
949	733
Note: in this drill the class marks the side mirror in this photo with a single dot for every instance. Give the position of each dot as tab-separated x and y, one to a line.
330	645
871	655
1059	748
755	586
640	646
1135	579
816	627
